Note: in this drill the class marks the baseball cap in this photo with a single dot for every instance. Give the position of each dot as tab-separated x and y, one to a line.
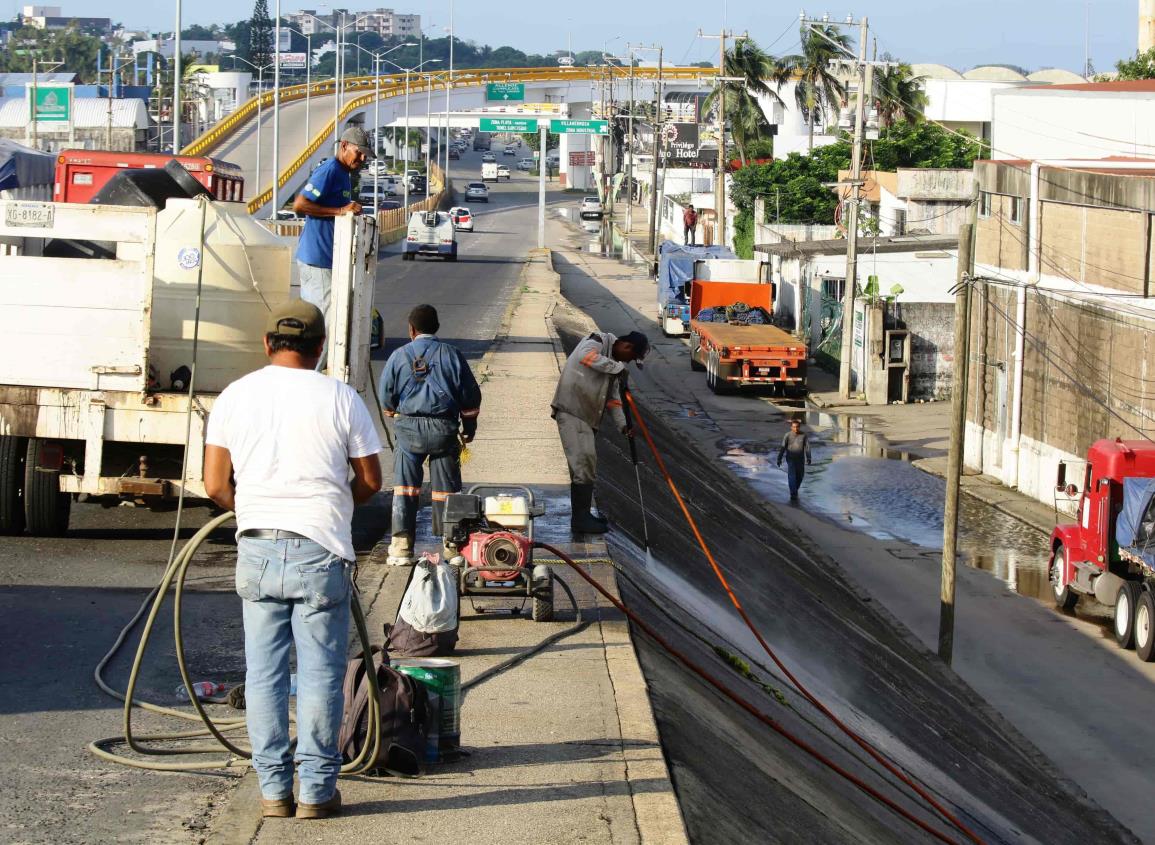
297	318
358	137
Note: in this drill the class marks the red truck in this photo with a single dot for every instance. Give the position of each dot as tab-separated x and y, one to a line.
732	339
1110	552
80	174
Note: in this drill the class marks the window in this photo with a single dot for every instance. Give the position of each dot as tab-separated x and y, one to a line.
1017	210
900	221
833	288
984	204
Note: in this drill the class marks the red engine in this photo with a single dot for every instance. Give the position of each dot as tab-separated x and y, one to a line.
497	548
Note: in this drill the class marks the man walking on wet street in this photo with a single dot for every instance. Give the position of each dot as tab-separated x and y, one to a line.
796	450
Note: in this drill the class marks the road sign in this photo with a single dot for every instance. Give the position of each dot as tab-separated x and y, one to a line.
580	127
505	91
53	103
508	124
291	61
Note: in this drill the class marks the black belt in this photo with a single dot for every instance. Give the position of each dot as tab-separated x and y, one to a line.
272	534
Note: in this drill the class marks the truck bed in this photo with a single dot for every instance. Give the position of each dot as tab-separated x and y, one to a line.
746	337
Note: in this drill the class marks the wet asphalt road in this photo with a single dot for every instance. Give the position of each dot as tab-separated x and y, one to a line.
62	601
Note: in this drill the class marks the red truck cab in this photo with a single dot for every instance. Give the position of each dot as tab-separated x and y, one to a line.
1085	556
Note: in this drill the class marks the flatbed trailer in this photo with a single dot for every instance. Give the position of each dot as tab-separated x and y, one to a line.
736	356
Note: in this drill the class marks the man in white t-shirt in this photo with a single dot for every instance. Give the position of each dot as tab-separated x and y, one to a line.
303	451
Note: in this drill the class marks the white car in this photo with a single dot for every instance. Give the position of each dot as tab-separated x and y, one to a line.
527	164
477	191
462	218
590	207
488	158
503	170
510	150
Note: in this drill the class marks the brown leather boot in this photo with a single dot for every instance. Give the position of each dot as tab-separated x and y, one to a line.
278	808
320	811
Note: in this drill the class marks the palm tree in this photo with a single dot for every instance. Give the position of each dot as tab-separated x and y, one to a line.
899	95
761	74
818	88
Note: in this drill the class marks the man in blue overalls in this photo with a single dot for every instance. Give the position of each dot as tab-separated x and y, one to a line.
428	388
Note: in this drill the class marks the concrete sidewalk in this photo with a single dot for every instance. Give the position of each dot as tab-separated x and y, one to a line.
562	748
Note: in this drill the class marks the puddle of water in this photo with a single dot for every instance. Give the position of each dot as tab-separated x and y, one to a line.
696	414
861	482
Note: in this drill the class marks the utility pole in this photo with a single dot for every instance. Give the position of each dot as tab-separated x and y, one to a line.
176	79
657	125
720	165
630	154
543	140
275	205
962	313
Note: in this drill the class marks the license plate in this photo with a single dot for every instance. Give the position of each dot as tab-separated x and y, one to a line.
763	371
29	214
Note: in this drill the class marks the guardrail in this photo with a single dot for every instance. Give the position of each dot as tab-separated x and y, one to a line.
393	86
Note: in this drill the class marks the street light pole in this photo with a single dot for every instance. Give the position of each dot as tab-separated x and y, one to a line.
428	128
274	206
377	133
176	106
448	88
405	141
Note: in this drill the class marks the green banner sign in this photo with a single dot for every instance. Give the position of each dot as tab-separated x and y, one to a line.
509	124
505	91
580	127
53	103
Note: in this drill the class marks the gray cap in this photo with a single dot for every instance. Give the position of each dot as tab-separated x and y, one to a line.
297	318
358	137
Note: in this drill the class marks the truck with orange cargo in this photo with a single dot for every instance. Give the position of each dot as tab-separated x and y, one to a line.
734	341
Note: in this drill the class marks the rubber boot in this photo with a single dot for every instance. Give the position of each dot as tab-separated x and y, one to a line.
581	521
401	550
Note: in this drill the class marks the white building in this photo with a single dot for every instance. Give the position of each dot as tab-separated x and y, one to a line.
384	22
1091	120
166	46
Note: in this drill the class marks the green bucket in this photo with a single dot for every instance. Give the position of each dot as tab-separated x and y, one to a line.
442	677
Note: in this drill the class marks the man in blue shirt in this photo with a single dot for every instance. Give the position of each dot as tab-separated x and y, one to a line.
327	194
428	388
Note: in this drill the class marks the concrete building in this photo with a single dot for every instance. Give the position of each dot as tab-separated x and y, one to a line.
166	46
53	17
1063	324
1087	120
90	127
384	22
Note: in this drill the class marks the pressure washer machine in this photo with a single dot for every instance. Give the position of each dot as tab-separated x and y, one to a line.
493	536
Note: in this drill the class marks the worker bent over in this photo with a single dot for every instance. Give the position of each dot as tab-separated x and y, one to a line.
290	436
428	388
587	390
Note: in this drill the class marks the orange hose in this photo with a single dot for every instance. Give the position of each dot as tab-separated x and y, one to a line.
746	705
822	708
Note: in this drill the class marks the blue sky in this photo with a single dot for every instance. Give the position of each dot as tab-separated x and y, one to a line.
960	33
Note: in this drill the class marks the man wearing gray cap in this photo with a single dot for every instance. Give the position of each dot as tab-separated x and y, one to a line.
292	438
327	194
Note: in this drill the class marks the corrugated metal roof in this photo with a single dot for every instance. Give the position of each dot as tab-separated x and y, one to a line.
24	78
898	243
90	113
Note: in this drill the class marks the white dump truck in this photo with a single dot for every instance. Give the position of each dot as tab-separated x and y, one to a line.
106	312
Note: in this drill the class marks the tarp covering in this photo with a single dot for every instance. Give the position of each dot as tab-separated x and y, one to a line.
1135	525
676	267
23	167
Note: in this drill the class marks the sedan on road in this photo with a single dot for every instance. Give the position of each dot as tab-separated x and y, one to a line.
590	207
462	218
488	158
477	191
503	170
526	164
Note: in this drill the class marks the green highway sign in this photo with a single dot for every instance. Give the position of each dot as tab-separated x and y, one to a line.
505	91
53	103
509	124
580	127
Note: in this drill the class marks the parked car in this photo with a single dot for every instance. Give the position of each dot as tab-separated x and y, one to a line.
488	158
430	233
527	164
462	218
590	207
477	191
503	170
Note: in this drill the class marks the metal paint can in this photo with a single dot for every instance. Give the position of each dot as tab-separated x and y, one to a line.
443	679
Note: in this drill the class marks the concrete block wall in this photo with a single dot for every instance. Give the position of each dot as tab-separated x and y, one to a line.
931	327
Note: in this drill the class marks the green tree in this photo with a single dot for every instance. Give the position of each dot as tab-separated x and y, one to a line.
1139	66
196	32
260	35
899	94
761	74
818	87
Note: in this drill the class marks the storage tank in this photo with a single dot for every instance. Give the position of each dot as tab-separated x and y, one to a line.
246	273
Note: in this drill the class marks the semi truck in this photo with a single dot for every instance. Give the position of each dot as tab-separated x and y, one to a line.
1108	554
99	308
734	342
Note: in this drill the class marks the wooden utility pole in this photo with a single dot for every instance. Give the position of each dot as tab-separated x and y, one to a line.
865	75
657	125
630	154
720	164
962	313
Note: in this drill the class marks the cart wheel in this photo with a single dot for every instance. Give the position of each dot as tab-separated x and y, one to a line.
12	454
543	602
1065	597
1126	601
1145	627
46	509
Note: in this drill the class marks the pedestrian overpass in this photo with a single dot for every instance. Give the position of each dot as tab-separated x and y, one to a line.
308	114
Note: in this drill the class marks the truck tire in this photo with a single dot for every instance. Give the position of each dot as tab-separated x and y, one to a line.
695	350
46	509
1126	601
1145	627
715	375
13	450
1065	597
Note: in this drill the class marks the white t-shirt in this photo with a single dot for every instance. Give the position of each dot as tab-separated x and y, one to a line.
291	434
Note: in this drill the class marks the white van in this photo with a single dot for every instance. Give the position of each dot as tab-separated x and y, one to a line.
489	171
430	233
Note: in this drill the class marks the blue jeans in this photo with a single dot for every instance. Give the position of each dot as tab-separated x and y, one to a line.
317	288
419	438
795	469
296	593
